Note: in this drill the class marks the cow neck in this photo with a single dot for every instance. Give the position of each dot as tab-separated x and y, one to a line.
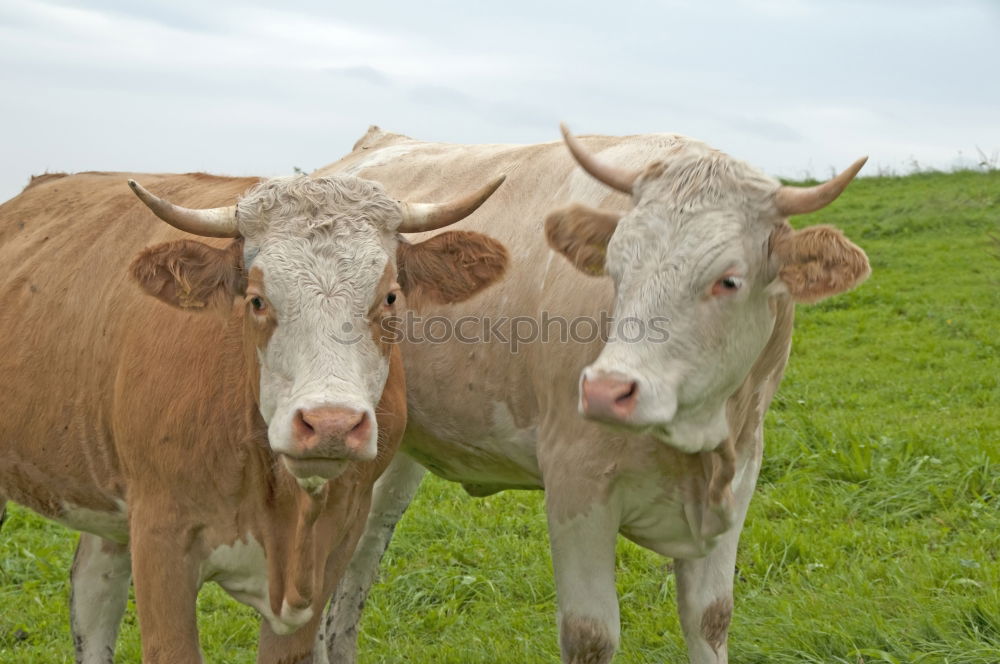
297	580
710	507
298	530
280	515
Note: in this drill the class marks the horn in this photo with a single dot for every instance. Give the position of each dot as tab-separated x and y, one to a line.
616	178
420	217
802	200
213	222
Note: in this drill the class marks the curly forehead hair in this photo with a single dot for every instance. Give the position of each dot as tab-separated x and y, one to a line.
694	176
318	202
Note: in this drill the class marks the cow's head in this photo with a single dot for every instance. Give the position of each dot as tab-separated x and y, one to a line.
316	266
696	264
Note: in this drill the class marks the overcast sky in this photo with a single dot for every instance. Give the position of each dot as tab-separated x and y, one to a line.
795	87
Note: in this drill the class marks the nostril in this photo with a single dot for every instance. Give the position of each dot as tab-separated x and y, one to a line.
358	437
331	430
302	426
361	425
609	397
629	395
358	440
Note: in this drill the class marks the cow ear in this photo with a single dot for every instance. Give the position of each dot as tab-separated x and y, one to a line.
450	267
581	234
192	275
817	262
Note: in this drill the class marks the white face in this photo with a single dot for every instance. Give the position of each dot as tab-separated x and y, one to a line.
319	275
698	265
702	278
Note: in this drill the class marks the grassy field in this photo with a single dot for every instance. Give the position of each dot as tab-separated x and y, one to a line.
874	535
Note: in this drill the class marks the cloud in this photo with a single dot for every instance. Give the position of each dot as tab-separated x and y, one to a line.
249	88
363	73
769	129
495	111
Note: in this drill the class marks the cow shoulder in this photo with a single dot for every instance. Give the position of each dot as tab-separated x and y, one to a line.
43	178
376	137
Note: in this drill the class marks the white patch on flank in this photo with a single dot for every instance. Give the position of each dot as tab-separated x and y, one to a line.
507	440
487	451
506	429
241	570
109	525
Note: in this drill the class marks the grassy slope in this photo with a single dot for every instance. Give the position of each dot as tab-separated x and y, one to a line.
874	535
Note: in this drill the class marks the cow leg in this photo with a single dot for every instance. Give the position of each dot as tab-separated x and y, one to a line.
705	601
390	498
295	648
583	559
99	592
3	511
166	586
705	585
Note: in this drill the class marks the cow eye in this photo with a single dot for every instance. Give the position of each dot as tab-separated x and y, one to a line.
391	296
730	283
257	302
727	284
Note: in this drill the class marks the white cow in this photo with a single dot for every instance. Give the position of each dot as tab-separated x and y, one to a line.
656	434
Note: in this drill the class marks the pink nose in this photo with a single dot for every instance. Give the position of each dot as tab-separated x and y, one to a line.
609	397
330	431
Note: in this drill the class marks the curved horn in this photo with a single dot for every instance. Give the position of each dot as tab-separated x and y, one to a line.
802	200
213	222
420	217
616	178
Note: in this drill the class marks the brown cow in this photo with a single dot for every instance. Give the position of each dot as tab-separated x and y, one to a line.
233	436
685	256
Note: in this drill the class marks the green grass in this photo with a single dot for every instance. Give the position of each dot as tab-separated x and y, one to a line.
874	535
